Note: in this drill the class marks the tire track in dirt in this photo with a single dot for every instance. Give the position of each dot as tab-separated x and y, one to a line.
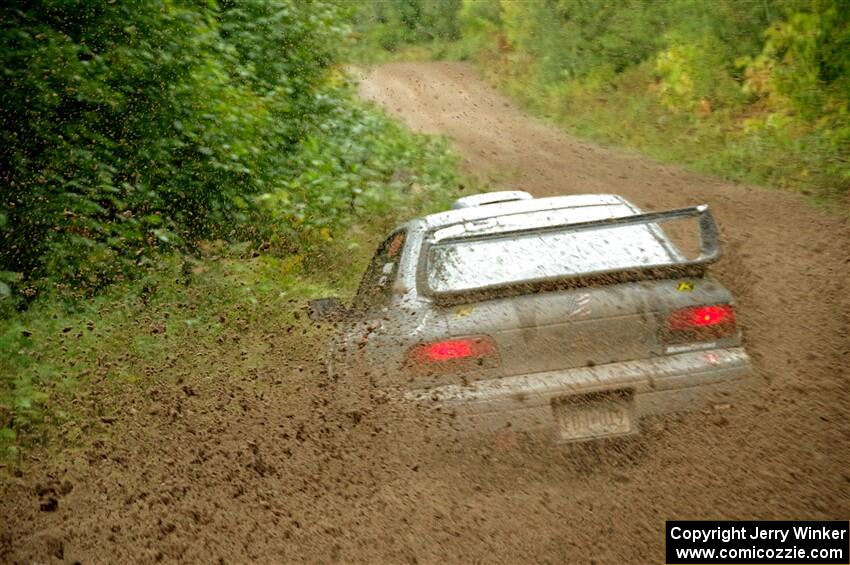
236	453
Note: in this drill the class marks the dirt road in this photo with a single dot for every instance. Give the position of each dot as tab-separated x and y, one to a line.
229	460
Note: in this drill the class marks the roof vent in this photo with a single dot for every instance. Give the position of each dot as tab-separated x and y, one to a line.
490	198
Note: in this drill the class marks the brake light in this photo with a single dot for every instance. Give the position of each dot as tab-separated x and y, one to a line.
444	350
453	350
701	322
701	316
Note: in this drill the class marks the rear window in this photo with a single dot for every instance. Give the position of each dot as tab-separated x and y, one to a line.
460	265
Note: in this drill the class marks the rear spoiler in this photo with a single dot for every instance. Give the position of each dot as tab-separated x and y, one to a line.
709	243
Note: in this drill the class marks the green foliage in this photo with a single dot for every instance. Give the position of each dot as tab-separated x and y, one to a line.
133	126
392	25
479	20
801	78
568	39
357	165
693	73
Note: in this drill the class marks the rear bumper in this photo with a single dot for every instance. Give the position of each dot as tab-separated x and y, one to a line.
671	383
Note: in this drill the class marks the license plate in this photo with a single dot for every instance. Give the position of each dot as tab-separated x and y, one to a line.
594	416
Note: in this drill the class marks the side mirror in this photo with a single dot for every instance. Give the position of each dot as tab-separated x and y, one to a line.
327	310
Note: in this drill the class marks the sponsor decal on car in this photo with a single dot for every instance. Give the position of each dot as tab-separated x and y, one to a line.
685	286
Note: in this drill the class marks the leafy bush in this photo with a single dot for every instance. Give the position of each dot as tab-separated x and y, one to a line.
389	26
694	76
802	78
357	165
133	126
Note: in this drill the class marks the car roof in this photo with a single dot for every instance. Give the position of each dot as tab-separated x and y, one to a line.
450	217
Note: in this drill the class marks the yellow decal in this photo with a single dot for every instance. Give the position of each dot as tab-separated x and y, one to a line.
685	286
464	311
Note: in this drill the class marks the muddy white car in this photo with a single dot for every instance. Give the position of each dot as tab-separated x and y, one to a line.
575	314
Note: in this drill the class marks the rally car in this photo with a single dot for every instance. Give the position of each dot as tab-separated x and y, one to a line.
574	314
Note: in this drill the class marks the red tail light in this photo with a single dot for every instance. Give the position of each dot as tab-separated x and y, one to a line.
701	322
450	349
701	316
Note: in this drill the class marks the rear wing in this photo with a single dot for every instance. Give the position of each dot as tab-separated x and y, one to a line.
710	250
